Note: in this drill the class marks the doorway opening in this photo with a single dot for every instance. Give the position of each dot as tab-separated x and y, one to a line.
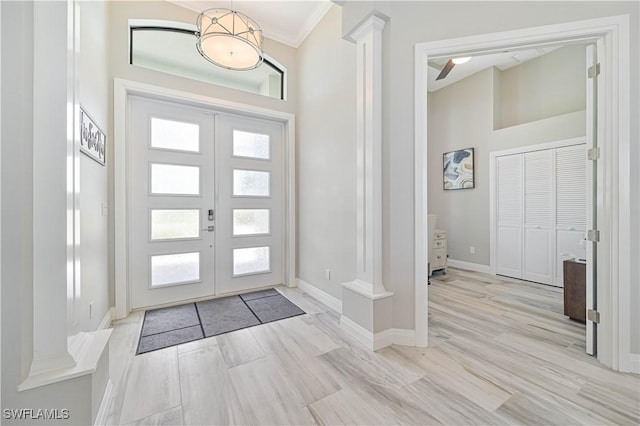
206	203
612	39
522	211
204	197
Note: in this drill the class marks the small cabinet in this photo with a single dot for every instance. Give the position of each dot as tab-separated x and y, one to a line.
438	259
575	286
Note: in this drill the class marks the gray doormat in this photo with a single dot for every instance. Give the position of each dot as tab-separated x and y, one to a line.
166	327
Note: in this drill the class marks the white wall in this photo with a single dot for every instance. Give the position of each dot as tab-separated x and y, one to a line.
523	99
417	22
21	85
17	181
463	115
326	157
93	86
547	86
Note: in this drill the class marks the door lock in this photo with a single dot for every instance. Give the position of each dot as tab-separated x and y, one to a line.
211	214
209	228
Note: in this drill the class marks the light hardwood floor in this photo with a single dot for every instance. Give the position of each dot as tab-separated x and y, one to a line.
500	352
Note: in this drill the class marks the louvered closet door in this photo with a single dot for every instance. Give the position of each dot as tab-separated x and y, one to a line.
571	205
509	171
538	216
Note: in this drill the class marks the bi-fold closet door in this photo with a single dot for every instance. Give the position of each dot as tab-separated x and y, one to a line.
541	208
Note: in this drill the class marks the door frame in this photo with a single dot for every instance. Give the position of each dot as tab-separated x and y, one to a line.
493	189
123	89
614	201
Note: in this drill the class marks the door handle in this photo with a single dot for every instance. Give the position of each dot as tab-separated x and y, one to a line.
209	228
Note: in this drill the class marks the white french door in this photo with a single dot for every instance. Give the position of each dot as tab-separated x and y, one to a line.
249	203
205	205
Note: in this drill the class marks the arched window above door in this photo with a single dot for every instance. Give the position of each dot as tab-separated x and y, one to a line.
170	47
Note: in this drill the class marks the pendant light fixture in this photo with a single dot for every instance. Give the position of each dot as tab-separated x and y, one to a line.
229	39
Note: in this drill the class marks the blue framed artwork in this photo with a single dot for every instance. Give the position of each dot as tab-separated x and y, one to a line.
458	169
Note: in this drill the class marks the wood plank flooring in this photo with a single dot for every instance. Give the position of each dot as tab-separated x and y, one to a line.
500	352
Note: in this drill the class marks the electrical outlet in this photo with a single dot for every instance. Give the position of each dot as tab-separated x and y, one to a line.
472	250
105	209
327	274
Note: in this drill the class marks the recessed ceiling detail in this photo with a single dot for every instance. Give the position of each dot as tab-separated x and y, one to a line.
503	61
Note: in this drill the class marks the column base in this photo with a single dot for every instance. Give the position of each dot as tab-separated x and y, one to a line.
367	316
79	389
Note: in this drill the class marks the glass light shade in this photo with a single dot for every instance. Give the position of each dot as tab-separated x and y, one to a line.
229	39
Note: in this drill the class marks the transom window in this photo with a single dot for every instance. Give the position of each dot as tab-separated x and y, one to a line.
172	49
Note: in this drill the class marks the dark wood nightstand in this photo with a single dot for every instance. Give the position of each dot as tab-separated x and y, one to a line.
575	286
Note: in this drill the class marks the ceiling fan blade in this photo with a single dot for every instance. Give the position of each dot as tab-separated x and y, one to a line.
446	70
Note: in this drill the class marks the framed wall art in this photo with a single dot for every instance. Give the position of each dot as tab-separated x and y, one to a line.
458	169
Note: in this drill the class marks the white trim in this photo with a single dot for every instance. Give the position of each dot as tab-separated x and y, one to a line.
539	147
368	37
374	342
106	320
468	266
613	253
53	174
321	296
421	251
1	286
91	350
404	337
364	289
290	225
103	411
393	336
631	363
493	155
122	89
381	339
305	27
356	331
620	292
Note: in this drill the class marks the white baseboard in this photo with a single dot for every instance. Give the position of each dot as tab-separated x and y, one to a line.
101	416
475	267
374	342
323	297
358	332
404	337
631	364
106	321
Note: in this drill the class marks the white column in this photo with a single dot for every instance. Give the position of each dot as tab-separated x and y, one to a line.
51	137
367	307
368	37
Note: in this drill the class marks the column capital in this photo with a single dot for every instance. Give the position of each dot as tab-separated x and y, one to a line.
374	22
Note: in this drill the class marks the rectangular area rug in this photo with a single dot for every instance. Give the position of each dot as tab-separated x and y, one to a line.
166	327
